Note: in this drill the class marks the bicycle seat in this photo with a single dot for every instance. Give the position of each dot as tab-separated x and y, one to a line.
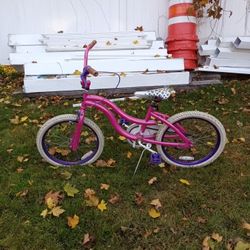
161	93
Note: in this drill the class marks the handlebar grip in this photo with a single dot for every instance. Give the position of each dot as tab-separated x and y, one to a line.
92	71
92	44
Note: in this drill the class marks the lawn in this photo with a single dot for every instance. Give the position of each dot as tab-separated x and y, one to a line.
207	207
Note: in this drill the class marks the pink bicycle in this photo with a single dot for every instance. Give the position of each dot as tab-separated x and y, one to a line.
187	139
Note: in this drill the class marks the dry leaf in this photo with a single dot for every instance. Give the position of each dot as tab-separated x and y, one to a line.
216	237
92	201
70	190
114	198
139	28
104	186
152	181
108	43
88	240
154	213
22	193
139	199
122	138
122	74
66	175
156	203
135	42
73	221
129	155
20	159
50	203
44	213
24	118
246	226
55	196
185	182
102	206
205	243
57	211
89	192
15	120
242	246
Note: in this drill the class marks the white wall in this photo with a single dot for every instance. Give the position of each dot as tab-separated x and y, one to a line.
50	16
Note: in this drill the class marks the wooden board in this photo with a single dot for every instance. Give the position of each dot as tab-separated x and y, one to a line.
119	65
35	84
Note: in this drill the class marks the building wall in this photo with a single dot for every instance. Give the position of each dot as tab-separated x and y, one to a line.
51	16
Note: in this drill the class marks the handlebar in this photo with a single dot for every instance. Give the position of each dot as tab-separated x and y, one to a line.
92	71
92	44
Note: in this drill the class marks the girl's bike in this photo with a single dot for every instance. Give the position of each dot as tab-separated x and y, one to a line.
187	139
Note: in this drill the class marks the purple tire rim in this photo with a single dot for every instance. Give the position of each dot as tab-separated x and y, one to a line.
69	163
204	159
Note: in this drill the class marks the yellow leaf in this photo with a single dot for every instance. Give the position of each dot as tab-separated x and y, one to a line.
77	72
73	221
44	213
15	120
135	42
162	165
24	118
102	206
216	237
50	203
57	211
20	158
154	213
122	74
104	186
206	243
246	226
185	182
70	190
129	154
152	181
122	138
156	203
92	201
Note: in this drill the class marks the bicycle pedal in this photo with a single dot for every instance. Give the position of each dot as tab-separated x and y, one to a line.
123	122
155	158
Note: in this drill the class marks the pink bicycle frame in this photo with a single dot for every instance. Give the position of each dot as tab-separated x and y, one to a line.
109	109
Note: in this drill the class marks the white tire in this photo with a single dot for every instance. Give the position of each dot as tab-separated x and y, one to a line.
202	116
70	118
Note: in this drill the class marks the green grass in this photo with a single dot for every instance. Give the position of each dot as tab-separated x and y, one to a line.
217	201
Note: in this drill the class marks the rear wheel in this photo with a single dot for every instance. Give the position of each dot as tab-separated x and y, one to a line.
53	141
206	133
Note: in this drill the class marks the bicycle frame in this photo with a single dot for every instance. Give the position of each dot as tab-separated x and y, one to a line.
109	109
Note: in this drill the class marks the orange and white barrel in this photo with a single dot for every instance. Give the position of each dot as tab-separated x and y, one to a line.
182	38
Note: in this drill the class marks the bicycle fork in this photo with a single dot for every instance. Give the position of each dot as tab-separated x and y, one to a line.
75	139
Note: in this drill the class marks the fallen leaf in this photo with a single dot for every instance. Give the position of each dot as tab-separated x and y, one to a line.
201	220
122	138
102	206
242	246
73	221
22	193
88	240
206	243
122	74
233	91
129	155
44	213
89	192
152	181
55	196
216	237
156	203
114	198
108	43
104	186
20	159
111	162
154	213
66	175
139	199
92	201
70	190
135	42
246	226
15	120
57	211
185	182
50	203
20	170
24	118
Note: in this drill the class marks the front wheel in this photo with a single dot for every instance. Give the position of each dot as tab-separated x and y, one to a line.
206	133
54	137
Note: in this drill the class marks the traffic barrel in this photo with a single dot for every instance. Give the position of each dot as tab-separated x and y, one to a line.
182	38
